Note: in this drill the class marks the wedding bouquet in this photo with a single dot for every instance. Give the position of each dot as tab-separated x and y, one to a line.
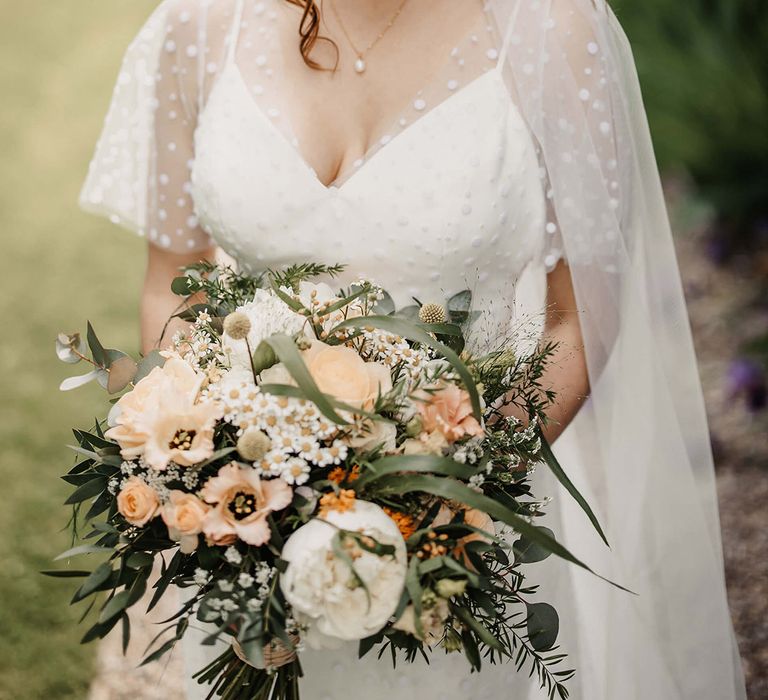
315	467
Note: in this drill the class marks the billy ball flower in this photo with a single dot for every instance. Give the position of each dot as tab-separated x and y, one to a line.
237	325
432	313
253	444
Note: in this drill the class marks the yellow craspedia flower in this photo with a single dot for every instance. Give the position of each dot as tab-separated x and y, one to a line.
432	313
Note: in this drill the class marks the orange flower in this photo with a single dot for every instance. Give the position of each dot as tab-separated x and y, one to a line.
344	501
448	410
339	475
404	522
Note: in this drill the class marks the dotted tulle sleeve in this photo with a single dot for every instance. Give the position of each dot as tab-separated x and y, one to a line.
139	176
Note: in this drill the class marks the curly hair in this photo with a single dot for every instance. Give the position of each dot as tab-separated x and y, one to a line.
309	32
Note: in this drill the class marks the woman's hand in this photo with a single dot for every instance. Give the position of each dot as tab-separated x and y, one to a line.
158	303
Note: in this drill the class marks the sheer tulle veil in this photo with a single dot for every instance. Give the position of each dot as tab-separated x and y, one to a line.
640	447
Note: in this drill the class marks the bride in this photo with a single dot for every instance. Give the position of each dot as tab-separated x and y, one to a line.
442	145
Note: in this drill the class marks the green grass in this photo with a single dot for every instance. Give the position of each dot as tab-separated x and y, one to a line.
58	61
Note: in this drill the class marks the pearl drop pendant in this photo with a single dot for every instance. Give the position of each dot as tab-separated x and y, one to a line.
360	65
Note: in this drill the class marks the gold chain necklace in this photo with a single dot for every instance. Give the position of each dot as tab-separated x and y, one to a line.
360	64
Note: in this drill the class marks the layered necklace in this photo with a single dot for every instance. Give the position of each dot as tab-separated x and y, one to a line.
360	63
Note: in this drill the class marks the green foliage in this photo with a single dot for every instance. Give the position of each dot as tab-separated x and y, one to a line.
704	70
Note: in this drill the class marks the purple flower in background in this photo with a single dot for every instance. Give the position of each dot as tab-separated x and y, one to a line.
747	378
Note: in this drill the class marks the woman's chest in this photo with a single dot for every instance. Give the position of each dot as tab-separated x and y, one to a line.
457	192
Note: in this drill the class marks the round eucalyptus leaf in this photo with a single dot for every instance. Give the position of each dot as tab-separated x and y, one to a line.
543	626
528	552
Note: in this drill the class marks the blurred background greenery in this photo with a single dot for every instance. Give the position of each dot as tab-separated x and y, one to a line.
704	67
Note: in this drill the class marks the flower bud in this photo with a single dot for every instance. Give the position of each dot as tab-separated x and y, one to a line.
414	427
303	343
237	325
447	588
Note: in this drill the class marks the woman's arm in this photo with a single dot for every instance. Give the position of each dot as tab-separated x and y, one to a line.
158	303
566	372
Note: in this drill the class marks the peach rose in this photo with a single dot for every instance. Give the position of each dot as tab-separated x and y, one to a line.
449	410
137	502
160	419
340	372
184	515
242	502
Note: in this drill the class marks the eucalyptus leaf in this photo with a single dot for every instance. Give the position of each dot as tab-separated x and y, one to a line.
184	286
90	489
99	575
97	350
83	549
147	364
384	306
121	373
410	313
65	573
543	626
70	348
114	606
528	552
81	380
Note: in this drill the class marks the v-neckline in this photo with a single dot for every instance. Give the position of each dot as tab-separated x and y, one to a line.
342	179
338	185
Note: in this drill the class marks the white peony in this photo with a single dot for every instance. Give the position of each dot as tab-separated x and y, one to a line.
322	589
268	315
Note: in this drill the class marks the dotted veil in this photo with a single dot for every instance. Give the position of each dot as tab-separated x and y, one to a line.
639	449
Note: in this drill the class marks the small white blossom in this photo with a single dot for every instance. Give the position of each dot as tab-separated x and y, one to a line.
226	586
254	605
201	577
233	556
245	580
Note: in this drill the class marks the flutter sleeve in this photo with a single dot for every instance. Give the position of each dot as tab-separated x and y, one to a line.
139	176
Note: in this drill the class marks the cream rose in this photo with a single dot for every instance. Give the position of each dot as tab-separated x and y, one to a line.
137	502
184	515
340	372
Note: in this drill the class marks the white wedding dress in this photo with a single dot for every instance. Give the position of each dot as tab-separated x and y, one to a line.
468	186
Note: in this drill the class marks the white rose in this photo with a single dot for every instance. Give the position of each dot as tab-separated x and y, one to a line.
268	315
322	589
373	434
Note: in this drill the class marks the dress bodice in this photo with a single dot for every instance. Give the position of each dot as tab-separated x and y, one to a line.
452	202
